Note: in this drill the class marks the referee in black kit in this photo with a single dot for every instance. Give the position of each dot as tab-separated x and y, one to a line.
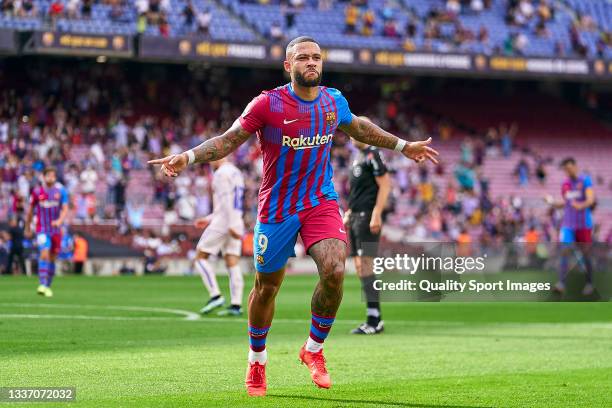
370	185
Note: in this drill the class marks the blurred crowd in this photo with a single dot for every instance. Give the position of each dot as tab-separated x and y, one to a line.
99	124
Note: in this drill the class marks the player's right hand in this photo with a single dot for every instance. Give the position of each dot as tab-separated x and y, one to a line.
27	232
172	165
548	199
346	219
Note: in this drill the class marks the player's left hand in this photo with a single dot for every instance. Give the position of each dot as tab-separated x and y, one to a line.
55	223
420	151
375	223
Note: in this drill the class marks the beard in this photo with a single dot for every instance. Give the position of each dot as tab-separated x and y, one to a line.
301	81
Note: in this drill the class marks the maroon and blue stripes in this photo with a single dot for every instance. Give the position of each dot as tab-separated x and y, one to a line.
320	327
43	272
45	214
299	178
257	337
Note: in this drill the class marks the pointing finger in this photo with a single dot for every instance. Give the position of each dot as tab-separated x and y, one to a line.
159	161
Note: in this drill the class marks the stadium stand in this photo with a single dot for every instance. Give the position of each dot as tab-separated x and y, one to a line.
526	27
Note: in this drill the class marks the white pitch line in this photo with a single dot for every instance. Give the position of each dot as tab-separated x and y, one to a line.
188	315
192	316
82	317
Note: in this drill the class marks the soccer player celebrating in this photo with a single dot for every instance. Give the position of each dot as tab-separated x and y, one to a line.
578	198
295	124
223	230
370	185
50	203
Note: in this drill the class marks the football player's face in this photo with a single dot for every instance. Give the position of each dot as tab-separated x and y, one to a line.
571	170
50	178
305	64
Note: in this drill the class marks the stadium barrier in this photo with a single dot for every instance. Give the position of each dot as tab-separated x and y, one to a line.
189	49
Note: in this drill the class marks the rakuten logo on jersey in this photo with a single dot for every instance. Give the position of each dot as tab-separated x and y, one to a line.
303	142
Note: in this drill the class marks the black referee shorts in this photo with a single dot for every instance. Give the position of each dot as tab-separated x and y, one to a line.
363	242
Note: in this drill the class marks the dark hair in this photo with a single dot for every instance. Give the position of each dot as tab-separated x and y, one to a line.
567	160
297	40
49	170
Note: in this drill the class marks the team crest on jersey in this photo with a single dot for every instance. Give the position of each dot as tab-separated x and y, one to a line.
260	259
330	118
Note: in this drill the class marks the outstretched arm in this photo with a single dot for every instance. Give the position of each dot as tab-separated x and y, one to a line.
367	132
213	149
220	146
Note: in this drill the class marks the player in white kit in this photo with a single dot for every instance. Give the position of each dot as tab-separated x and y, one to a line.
223	230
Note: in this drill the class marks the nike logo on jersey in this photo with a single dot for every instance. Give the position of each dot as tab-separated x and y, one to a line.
342	231
286	122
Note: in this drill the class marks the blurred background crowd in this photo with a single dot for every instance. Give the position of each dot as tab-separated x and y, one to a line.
98	124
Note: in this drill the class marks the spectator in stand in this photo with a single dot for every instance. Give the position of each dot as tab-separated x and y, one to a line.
523	13
578	44
204	19
86	8
142	6
507	135
56	10
8	7
453	8
28	9
368	19
89	178
116	12
476	6
164	27
540	28
520	43
189	14
545	12
540	171
411	29
351	15
388	10
73	8
276	32
165	6
390	29
522	172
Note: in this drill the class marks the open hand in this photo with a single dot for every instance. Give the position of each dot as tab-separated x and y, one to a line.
420	151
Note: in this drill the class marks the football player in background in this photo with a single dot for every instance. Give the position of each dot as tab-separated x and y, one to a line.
223	230
49	202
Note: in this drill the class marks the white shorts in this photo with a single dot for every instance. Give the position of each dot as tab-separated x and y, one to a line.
212	242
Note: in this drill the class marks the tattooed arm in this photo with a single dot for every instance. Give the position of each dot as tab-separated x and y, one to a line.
367	132
213	149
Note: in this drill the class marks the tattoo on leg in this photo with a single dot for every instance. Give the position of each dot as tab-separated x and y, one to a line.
330	256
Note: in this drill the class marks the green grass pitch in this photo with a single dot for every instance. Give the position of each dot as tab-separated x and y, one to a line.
125	341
